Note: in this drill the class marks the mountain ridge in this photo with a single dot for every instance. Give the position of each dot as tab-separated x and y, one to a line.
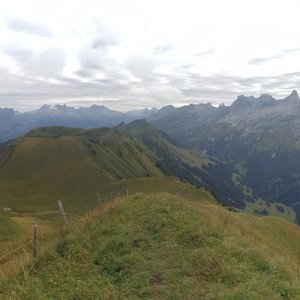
14	124
251	149
261	143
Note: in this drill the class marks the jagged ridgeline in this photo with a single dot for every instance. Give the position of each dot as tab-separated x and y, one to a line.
257	138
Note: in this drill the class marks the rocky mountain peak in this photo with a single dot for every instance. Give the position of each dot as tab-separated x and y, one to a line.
265	97
293	97
294	94
243	101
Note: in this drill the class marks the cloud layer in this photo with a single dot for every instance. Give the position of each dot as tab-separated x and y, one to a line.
27	27
133	56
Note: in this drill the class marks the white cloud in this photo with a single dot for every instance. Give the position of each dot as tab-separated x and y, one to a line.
154	52
27	27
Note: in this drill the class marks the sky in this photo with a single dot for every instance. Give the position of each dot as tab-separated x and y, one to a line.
131	54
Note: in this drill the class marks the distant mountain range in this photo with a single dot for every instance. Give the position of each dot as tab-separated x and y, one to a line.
258	138
246	154
14	124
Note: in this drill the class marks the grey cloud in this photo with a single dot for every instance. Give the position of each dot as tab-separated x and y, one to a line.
162	49
284	53
91	61
118	88
187	66
84	73
94	61
17	53
141	67
205	53
20	25
262	60
104	42
291	51
47	64
103	37
221	88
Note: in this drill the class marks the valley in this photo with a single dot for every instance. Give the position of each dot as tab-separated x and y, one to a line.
79	167
149	150
222	148
228	178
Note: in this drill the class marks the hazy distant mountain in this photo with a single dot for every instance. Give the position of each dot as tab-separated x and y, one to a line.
258	137
13	124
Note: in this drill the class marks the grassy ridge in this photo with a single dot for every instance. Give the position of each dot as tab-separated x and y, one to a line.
155	143
161	246
15	228
67	164
70	168
72	165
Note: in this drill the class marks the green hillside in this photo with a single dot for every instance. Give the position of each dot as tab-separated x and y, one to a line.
72	166
190	165
80	168
162	246
156	142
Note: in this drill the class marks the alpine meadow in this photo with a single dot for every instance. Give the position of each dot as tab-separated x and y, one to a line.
149	150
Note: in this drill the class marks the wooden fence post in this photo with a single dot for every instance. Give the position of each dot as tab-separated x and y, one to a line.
98	198
60	205
35	240
127	193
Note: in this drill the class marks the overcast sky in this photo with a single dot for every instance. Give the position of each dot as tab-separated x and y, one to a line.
129	54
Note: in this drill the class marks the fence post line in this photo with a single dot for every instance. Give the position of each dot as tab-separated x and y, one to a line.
60	205
35	240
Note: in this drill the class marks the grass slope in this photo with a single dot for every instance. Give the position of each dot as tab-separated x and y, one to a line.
68	164
72	165
161	246
156	143
45	168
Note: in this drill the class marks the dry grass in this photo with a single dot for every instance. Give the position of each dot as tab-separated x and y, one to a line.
261	233
19	254
167	248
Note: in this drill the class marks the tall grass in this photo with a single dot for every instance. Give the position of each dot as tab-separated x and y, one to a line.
162	246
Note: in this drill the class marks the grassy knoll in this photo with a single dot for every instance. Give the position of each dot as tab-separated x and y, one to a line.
15	228
162	246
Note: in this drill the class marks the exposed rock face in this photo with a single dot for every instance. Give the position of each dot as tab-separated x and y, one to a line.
259	137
